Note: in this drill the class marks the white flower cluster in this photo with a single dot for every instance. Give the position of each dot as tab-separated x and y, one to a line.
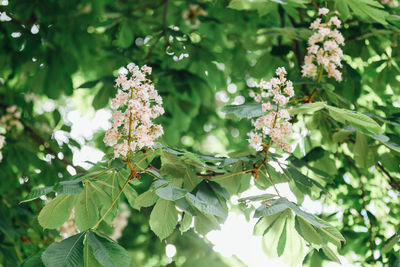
324	47
135	105
275	122
391	3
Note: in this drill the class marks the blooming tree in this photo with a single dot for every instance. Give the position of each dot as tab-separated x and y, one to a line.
187	137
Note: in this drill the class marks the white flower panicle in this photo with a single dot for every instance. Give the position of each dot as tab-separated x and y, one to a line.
135	105
324	47
391	3
275	122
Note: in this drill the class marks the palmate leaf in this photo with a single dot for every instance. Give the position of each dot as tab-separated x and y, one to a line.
163	218
57	211
106	251
67	253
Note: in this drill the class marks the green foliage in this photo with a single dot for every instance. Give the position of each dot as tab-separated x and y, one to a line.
57	211
163	218
347	157
106	251
68	252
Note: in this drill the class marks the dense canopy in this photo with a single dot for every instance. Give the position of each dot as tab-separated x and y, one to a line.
212	63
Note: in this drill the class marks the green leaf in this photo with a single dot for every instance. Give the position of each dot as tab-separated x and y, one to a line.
393	240
368	10
282	241
295	247
258	197
73	187
89	259
34	261
205	207
146	199
307	231
219	190
332	235
307	108
204	223
67	253
272	236
86	210
89	84
330	254
108	252
57	211
131	195
102	97
171	192
386	141
163	218
264	223
186	222
235	181
125	35
358	120
363	155
298	177
275	208
173	166
343	8
244	111
37	192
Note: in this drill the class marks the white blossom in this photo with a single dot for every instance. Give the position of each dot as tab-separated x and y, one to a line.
324	47
275	122
135	105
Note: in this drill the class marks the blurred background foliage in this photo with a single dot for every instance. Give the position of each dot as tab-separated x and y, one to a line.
204	55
